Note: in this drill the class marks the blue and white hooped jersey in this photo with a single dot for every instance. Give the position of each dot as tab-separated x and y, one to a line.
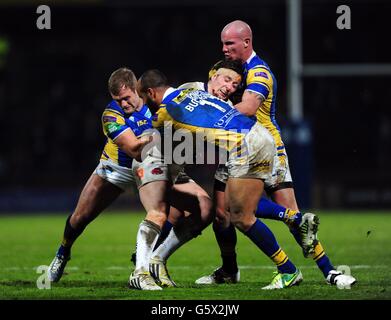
115	121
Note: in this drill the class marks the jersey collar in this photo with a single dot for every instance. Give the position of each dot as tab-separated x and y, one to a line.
167	93
251	57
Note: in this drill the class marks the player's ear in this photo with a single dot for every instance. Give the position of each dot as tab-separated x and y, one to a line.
151	93
246	42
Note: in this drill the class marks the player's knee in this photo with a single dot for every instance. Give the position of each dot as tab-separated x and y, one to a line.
236	216
242	224
240	220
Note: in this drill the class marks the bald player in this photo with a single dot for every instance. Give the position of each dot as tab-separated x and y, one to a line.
259	100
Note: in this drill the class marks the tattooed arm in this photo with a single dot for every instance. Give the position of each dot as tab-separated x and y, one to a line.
251	101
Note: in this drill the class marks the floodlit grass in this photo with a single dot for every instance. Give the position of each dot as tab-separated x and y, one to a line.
100	264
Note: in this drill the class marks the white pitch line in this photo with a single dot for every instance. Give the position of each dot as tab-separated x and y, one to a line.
185	267
358	266
32	268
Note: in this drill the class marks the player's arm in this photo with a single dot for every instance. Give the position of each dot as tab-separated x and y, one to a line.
250	103
115	128
130	144
259	82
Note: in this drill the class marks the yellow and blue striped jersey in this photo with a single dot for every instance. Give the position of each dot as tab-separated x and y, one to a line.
259	79
200	112
115	122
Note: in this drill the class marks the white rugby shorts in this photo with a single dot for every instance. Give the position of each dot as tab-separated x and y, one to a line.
119	176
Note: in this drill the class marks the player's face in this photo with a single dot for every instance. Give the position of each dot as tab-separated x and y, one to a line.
127	99
233	47
149	97
224	83
150	102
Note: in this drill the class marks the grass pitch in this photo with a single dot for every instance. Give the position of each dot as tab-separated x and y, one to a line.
100	264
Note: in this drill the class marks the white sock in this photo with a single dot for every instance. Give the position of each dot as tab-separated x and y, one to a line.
147	235
175	239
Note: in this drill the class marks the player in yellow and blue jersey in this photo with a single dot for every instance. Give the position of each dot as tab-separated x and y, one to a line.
115	122
224	79
259	100
251	152
123	120
222	84
125	123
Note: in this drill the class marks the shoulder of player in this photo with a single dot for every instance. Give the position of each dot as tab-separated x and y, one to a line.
260	73
192	85
257	64
113	109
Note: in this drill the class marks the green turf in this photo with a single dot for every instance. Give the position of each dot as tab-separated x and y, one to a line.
100	264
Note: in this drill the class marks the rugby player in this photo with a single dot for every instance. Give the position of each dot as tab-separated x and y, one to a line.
259	100
224	79
124	119
124	122
250	159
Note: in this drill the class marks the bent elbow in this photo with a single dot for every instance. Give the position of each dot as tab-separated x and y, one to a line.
250	113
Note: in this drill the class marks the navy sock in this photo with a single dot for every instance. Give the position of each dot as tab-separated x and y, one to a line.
264	239
268	209
325	265
70	235
320	257
226	239
64	251
164	233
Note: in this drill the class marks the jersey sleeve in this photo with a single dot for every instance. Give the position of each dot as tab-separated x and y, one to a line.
113	124
259	80
159	118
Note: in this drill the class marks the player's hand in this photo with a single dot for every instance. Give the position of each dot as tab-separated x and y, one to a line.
146	139
150	139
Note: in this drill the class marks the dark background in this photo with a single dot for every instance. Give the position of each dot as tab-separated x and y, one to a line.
53	90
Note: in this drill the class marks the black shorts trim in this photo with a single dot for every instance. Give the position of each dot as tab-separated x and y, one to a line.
280	186
219	186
